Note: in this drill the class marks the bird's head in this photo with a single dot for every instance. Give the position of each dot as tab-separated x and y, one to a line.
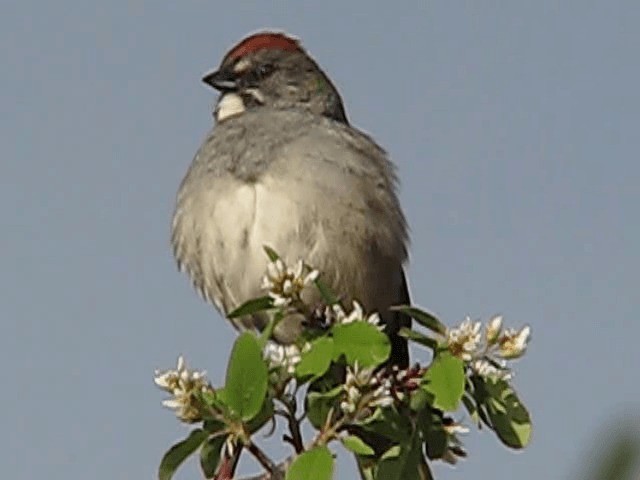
272	69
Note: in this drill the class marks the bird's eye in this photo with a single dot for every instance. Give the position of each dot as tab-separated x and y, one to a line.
265	70
253	76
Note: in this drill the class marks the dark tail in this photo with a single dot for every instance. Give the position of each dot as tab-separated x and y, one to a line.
399	348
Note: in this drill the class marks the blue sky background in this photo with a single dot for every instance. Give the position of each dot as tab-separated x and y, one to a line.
515	129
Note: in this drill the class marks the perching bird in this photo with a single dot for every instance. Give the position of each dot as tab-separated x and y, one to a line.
282	167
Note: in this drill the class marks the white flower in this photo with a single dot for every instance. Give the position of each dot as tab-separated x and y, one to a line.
456	429
382	395
335	313
487	351
485	369
183	384
230	445
493	329
359	376
279	300
513	344
356	315
365	384
285	284
374	319
287	356
276	270
464	341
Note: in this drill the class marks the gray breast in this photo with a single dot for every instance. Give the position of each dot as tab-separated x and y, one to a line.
308	187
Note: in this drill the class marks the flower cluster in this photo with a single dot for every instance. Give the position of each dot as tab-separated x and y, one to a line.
405	381
285	356
487	350
464	341
285	284
185	386
365	390
335	314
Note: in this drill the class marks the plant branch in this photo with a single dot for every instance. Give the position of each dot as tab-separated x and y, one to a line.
294	426
265	461
279	474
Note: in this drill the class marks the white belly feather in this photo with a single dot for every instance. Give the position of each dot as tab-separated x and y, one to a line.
233	226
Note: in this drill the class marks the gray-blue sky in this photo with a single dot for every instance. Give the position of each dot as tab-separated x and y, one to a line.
515	129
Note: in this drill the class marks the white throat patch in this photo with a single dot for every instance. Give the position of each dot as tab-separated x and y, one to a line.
230	104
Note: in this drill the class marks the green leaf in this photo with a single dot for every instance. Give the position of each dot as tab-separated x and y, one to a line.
252	306
214	400
425	319
470	404
419	338
419	400
316	463
315	362
393	452
360	342
246	383
436	441
221	397
433	433
484	416
271	253
390	423
213	426
508	416
326	293
445	379
619	457
179	453
318	405
265	414
402	466
210	455
357	445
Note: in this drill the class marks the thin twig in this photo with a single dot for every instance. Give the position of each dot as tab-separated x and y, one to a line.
278	475
265	461
294	427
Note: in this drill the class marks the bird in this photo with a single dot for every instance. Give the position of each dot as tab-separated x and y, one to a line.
283	167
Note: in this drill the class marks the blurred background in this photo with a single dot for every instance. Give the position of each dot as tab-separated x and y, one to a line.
514	126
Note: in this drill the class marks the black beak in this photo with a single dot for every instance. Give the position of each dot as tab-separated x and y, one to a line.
223	80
